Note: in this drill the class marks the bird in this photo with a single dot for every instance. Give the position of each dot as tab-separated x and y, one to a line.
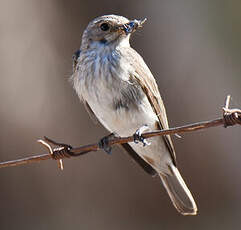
118	90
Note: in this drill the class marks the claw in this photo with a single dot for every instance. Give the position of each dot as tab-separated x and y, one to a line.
104	143
138	136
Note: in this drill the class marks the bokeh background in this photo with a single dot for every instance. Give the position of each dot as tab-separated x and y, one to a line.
194	50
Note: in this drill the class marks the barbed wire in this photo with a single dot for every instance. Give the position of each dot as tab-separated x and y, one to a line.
59	151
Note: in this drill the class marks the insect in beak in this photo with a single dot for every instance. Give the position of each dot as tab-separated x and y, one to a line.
132	26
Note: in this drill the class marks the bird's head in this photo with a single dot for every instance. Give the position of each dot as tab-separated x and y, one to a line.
109	29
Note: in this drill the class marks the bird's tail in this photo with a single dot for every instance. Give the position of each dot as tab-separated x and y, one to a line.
179	193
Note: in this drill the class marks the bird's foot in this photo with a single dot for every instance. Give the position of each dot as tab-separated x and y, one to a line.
138	135
104	143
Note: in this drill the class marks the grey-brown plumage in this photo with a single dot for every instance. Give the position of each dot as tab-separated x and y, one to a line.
117	87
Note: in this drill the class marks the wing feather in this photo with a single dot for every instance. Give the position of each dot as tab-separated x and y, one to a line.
148	84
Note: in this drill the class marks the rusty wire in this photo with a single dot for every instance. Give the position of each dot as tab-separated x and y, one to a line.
59	151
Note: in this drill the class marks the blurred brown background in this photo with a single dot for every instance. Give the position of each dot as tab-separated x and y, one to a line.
194	50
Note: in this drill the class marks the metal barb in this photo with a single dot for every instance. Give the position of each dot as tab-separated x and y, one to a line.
231	116
51	152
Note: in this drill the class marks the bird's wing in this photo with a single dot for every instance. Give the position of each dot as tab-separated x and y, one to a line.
145	79
148	168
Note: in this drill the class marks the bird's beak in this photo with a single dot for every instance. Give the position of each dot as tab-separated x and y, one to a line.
132	26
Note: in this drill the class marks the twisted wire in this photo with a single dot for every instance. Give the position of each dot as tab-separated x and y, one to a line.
232	117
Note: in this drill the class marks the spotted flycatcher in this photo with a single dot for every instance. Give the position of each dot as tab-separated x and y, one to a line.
118	88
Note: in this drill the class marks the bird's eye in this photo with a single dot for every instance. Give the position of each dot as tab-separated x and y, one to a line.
104	26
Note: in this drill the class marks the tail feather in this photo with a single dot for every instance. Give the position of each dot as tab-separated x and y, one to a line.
179	193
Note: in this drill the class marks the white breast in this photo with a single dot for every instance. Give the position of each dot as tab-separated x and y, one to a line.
98	87
94	84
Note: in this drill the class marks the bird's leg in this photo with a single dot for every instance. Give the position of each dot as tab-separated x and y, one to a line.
104	143
138	135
